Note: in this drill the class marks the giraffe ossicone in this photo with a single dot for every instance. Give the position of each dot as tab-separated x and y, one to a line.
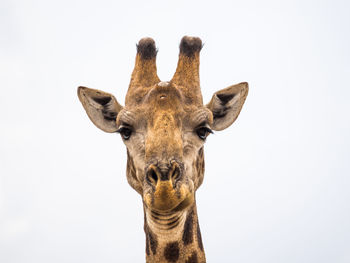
164	126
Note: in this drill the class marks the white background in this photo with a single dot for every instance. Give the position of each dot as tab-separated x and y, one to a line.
277	182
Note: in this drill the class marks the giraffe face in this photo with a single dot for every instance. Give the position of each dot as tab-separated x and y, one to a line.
164	125
164	137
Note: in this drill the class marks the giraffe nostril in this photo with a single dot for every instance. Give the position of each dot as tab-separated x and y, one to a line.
152	176
175	173
156	173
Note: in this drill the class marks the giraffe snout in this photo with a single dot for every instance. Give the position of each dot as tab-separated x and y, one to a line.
167	191
157	173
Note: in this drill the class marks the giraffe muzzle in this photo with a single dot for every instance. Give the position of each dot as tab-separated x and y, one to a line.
158	173
169	191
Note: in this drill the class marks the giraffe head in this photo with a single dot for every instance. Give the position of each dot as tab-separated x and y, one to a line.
164	125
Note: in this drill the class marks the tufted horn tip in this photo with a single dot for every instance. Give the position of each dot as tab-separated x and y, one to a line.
147	48
190	45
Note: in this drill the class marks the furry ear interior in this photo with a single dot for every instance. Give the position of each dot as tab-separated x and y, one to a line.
226	104
101	107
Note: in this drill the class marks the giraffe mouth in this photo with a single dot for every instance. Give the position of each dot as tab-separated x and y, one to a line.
167	200
185	203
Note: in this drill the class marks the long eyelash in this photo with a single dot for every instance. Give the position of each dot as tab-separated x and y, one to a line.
206	128
204	125
209	130
121	127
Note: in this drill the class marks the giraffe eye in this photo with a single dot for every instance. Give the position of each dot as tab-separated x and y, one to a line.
203	132
125	132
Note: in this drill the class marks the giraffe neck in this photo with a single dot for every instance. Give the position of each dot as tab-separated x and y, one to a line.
173	237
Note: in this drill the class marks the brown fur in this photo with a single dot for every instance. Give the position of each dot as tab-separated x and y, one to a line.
193	258
162	125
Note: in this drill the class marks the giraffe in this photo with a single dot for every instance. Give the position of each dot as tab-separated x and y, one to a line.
164	126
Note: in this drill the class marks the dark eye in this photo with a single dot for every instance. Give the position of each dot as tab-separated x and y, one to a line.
125	132
203	132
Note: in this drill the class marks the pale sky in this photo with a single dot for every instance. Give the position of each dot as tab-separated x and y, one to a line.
277	181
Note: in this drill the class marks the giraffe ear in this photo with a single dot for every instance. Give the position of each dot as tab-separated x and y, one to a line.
101	107
226	104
